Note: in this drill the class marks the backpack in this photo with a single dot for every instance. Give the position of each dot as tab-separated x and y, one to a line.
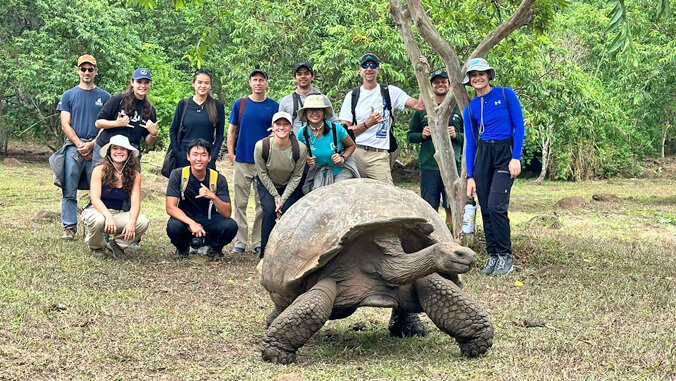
385	93
306	135
213	179
295	149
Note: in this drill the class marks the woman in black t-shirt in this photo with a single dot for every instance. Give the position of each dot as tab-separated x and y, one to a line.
203	118
129	113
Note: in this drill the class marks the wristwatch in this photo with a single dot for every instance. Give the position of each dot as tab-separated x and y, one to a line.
468	176
343	156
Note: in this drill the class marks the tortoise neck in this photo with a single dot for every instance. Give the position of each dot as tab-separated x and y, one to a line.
407	267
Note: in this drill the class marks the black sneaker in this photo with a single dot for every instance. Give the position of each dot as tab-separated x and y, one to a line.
216	254
504	265
179	255
490	265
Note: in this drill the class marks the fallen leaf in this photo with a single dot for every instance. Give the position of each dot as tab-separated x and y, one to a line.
518	283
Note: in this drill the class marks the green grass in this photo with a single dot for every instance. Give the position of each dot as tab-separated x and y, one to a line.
604	284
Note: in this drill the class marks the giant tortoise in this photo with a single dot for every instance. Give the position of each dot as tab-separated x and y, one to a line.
366	243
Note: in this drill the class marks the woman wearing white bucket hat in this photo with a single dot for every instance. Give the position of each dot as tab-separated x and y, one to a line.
494	132
115	180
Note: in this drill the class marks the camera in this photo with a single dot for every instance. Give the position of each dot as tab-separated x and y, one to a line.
197	242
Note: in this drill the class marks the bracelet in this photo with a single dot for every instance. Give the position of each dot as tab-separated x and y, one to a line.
343	156
153	136
365	127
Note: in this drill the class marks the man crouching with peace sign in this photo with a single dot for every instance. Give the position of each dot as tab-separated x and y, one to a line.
199	205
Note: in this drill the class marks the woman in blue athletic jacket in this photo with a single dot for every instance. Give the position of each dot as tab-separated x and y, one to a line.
494	131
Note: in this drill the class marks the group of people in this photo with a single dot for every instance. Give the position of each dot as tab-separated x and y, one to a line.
281	150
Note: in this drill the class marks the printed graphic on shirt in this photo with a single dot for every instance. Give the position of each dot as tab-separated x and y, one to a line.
381	132
98	102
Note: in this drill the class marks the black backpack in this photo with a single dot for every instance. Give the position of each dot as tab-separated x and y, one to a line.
385	93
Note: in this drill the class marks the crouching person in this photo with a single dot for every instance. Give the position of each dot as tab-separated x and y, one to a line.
114	180
198	204
280	160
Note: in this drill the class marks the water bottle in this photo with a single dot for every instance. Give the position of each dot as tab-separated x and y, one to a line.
469	218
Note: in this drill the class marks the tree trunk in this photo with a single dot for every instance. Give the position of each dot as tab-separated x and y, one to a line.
546	146
664	139
3	131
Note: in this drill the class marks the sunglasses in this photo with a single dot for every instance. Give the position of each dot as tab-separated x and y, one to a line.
371	65
87	69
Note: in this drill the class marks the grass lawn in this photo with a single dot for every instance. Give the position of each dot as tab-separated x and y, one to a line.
604	285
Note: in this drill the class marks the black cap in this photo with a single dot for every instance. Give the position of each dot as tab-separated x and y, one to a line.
255	71
369	57
301	64
438	73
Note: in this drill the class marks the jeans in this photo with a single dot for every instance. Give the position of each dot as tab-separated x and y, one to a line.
73	170
268	205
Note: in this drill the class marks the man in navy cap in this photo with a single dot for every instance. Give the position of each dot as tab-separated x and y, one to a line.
250	119
304	75
431	185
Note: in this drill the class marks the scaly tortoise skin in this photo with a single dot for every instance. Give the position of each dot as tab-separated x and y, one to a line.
366	243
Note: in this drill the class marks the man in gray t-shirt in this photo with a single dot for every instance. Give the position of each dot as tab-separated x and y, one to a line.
304	75
78	109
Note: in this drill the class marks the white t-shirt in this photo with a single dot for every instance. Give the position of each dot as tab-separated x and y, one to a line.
375	136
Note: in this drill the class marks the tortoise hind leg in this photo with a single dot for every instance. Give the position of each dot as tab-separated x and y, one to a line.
299	321
404	324
456	314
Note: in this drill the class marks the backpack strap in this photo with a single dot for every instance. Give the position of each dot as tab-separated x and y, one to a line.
213	180
335	137
181	127
306	135
295	148
185	175
266	149
355	99
242	106
385	93
297	104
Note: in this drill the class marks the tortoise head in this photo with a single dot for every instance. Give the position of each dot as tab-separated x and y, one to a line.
452	258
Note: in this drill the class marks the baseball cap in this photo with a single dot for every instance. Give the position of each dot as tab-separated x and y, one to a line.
438	73
86	58
282	115
369	57
256	71
142	73
301	64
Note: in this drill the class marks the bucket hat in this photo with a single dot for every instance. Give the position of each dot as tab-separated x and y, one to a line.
316	101
478	64
118	140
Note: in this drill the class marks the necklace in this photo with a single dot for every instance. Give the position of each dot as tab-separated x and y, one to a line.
316	128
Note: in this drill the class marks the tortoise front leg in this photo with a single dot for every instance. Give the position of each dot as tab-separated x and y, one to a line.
299	321
456	314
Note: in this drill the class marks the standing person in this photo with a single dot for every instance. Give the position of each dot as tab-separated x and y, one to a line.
304	75
203	118
114	180
371	119
250	119
78	109
494	130
329	144
279	170
431	185
198	204
129	113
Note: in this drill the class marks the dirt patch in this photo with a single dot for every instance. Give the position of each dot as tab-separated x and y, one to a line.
28	152
606	197
549	221
664	168
570	203
11	162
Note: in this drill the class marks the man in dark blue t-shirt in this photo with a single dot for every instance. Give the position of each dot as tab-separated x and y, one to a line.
196	211
256	119
78	109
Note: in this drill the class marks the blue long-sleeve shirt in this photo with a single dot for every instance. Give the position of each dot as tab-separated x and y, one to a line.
502	119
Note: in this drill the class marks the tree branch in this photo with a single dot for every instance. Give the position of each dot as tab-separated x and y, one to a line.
522	16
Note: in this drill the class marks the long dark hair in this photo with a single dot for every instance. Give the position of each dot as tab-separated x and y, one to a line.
128	172
129	104
210	102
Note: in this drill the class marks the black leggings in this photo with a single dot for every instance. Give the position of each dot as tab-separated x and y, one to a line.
493	187
268	206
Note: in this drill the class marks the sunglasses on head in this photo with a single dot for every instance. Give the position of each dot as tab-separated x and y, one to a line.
87	69
371	65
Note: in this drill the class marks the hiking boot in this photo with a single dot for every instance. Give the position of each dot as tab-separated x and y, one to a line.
118	253
98	253
216	254
68	234
238	250
490	265
504	264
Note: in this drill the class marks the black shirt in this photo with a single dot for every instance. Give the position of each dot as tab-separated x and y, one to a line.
112	109
197	125
191	206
